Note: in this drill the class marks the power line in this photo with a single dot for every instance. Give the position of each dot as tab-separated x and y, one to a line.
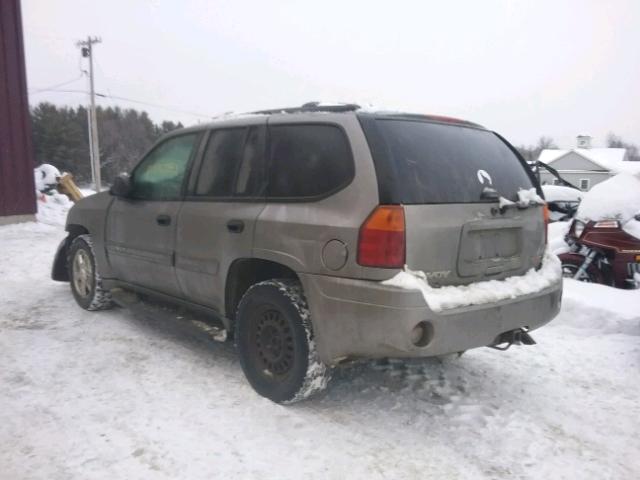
115	97
53	87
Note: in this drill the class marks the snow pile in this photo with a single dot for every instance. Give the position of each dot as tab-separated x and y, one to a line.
505	202
556	233
617	198
529	197
558	193
525	199
443	298
632	227
53	208
46	177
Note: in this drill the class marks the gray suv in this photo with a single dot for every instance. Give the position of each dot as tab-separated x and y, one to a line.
284	225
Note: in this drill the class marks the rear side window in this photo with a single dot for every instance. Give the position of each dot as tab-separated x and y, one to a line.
232	164
308	161
421	162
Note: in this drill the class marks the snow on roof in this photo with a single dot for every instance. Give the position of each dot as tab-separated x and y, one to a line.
611	159
616	198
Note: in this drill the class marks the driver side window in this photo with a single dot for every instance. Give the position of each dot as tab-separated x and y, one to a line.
160	175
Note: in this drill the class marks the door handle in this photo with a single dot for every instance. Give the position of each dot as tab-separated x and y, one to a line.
235	226
163	220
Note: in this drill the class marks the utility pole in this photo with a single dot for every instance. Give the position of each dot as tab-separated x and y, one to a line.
86	47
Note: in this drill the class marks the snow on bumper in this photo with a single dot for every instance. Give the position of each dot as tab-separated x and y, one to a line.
479	293
367	319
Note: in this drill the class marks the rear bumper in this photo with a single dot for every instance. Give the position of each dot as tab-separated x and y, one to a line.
365	319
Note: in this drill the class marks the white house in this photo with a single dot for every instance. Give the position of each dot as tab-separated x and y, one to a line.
585	166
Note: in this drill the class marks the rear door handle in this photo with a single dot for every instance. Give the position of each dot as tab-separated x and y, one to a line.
163	220
235	226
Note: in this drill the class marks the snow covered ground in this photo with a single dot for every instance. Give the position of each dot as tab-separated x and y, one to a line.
112	395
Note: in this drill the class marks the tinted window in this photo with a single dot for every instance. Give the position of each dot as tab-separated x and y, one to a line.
308	160
232	163
160	174
422	162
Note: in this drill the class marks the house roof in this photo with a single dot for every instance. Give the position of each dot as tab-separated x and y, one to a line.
611	159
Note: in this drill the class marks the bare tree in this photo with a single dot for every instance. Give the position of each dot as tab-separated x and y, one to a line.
532	152
616	141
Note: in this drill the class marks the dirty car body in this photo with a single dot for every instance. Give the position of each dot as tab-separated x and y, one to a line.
300	194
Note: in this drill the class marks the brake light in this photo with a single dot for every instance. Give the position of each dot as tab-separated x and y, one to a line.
381	242
545	216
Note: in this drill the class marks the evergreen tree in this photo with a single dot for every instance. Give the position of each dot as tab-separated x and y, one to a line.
60	137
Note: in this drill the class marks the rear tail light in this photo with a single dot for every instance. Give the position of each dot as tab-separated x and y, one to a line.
381	242
545	216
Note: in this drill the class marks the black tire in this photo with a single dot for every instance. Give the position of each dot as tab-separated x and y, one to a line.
275	342
86	285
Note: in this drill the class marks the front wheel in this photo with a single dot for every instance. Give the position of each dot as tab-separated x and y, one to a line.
86	284
275	342
569	270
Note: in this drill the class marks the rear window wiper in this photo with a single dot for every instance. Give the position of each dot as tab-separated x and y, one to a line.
490	193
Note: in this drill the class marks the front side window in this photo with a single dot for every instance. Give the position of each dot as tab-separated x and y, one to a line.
232	164
160	174
308	160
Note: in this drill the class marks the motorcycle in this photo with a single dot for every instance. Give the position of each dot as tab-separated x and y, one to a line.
602	252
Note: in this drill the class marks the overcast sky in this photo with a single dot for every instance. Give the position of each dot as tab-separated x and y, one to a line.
525	69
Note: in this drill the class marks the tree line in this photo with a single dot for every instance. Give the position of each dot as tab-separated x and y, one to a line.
60	137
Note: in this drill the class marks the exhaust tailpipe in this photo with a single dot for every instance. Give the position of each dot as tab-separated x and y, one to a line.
519	336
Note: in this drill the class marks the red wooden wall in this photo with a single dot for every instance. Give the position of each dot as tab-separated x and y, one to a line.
17	191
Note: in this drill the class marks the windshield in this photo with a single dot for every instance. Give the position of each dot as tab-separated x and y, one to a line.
419	162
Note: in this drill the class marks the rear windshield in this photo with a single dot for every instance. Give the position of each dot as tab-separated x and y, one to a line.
422	162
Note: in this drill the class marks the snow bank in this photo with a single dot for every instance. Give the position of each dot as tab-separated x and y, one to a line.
53	208
618	303
557	231
617	198
632	227
443	298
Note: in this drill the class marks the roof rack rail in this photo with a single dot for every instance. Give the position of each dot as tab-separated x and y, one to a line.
314	107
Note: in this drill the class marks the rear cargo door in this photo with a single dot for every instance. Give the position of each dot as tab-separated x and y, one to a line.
455	233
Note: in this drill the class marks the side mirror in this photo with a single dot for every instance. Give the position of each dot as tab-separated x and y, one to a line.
121	186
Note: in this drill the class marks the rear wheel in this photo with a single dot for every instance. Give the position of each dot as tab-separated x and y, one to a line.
275	342
86	284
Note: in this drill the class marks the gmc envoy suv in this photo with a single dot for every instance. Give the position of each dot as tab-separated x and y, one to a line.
282	227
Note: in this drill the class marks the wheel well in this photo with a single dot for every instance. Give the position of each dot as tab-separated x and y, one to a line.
246	272
59	271
75	231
